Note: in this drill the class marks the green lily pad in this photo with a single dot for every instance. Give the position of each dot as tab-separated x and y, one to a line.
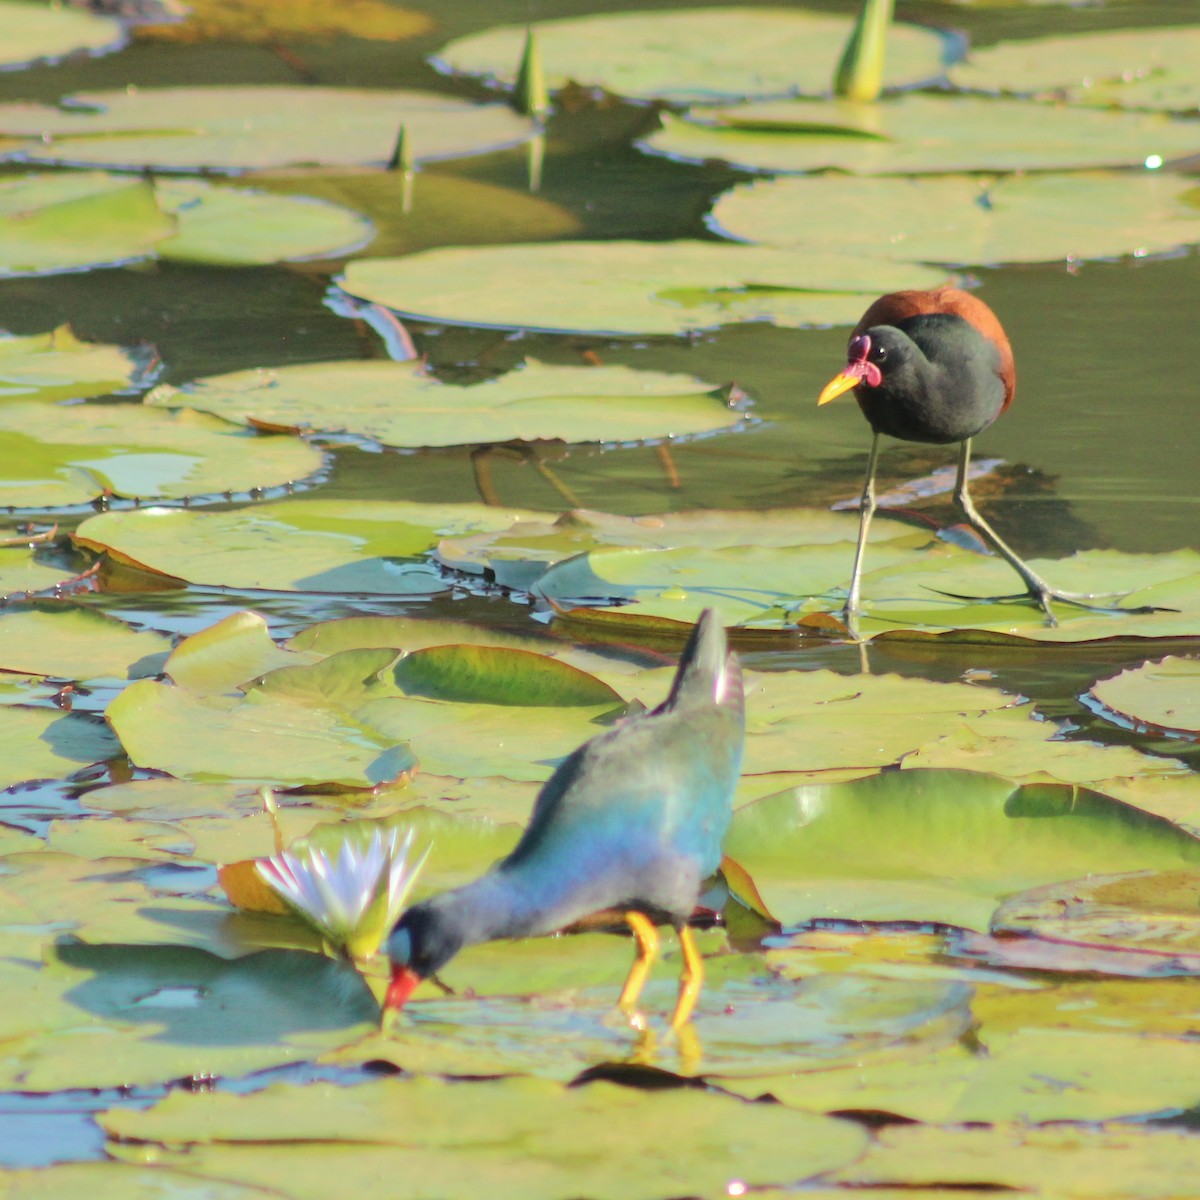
67	221
232	128
959	219
468	1130
940	846
496	675
1163	694
206	738
747	1022
173	799
55	455
34	32
103	900
1031	1075
1115	1160
919	135
114	1181
401	404
77	643
519	741
225	655
23	572
1152	913
628	288
1130	68
56	222
46	744
236	226
521	556
314	545
147	1014
102	837
695	55
58	366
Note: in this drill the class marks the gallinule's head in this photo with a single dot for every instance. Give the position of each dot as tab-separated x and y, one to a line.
424	940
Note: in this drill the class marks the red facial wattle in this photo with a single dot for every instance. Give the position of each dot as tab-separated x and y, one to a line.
858	369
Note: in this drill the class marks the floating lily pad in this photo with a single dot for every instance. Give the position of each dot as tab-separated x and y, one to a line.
270	22
1131	68
126	1015
917	135
401	404
695	55
112	1181
58	366
936	845
1034	1075
172	799
956	219
339	546
521	556
77	643
46	744
68	221
1100	1161
23	573
468	1130
628	288
786	565
206	738
56	455
35	32
60	222
1152	913
1163	694
243	128
235	226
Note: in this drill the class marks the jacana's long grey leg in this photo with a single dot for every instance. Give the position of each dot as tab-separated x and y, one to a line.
1038	588
851	608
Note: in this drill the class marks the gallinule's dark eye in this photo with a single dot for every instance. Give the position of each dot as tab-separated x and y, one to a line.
879	353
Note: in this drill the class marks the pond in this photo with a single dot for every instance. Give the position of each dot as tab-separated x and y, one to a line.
385	489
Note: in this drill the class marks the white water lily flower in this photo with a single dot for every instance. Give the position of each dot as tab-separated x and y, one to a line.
352	900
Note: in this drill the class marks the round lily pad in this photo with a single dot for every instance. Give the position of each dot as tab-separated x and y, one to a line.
36	32
233	226
1162	695
469	1129
941	846
58	366
693	55
628	288
401	404
43	743
1130	68
235	128
340	546
77	643
66	221
960	219
55	455
919	135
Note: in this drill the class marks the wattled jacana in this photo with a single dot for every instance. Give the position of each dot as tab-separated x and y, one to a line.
632	821
935	367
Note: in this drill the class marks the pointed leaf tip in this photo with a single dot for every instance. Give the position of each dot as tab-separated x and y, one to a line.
530	96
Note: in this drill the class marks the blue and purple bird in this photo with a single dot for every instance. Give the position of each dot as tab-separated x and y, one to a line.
631	822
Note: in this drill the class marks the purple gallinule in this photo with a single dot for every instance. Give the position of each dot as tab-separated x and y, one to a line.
936	367
631	822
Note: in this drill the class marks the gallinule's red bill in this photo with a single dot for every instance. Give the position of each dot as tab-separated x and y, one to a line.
632	822
935	367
